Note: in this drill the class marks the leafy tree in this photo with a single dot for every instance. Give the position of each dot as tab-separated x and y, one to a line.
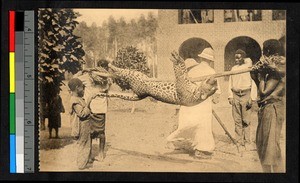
105	40
93	42
58	48
130	58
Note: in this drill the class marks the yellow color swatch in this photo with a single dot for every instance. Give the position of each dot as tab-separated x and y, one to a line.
12	72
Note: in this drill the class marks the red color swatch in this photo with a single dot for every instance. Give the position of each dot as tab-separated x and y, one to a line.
11	31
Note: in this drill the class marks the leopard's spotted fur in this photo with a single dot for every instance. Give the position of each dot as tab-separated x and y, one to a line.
142	87
181	92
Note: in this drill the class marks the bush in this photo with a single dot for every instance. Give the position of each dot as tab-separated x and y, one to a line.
130	58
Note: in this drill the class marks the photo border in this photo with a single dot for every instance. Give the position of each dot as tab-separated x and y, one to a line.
292	117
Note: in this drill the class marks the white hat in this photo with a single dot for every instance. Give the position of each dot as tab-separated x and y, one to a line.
208	53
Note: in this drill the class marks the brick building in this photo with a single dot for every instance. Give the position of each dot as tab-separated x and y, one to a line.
187	32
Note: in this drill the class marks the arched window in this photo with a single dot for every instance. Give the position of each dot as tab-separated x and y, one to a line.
192	47
247	44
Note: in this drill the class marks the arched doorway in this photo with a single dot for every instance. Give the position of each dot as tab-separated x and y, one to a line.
191	47
249	45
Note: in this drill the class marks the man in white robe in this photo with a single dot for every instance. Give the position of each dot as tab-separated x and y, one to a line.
195	122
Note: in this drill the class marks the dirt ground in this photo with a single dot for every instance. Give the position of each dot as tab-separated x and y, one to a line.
135	142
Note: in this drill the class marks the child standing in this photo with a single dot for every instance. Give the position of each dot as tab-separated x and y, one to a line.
98	107
98	116
80	113
55	108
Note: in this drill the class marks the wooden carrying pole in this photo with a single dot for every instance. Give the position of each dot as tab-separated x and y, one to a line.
225	129
201	78
217	75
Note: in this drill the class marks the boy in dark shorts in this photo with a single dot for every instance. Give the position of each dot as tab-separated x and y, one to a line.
98	118
98	113
98	106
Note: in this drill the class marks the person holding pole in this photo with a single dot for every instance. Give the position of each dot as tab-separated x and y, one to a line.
270	80
195	122
242	91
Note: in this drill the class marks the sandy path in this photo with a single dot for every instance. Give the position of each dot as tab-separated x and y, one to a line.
136	142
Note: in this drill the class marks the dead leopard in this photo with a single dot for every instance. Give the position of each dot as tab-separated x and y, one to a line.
181	92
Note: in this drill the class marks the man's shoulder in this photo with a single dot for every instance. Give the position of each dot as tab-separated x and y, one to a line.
200	71
248	59
234	67
206	66
240	67
248	62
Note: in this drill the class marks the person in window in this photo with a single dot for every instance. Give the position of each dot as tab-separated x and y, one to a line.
210	16
256	15
186	16
204	17
243	15
228	16
251	15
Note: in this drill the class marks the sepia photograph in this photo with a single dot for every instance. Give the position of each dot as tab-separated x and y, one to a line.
162	90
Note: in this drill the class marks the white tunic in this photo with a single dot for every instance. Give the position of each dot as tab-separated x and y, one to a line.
195	122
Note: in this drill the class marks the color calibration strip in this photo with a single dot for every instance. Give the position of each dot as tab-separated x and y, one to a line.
19	90
29	97
21	102
12	109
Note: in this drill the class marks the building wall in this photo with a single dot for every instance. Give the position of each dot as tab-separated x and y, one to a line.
170	35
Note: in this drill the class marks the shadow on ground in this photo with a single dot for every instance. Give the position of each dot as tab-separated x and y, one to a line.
49	144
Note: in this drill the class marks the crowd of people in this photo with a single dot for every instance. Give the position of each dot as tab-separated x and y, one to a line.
265	84
87	113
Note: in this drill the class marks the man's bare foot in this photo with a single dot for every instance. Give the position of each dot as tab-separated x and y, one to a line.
91	160
171	146
100	157
203	154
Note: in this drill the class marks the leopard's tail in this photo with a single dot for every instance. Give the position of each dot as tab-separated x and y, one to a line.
124	96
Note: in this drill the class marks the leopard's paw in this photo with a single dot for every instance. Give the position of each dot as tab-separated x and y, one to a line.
176	58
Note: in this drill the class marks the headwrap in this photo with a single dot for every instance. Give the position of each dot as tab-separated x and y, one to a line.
271	47
74	83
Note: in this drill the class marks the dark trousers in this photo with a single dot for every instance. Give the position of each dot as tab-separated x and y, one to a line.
270	120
